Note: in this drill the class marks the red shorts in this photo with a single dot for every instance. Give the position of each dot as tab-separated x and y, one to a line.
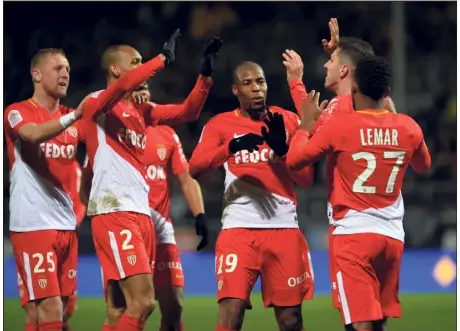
367	272
46	261
168	268
332	273
125	244
71	303
281	258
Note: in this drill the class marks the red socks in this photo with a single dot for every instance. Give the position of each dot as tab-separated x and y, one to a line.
129	323
31	327
107	327
221	328
163	327
50	326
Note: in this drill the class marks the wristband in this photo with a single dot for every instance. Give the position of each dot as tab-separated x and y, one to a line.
67	120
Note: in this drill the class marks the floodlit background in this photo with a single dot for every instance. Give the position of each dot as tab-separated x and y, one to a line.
418	38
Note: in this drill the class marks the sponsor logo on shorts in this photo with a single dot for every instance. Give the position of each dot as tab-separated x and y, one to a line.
169	265
220	284
132	259
72	273
42	282
294	281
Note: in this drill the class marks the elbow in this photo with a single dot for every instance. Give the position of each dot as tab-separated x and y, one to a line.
291	163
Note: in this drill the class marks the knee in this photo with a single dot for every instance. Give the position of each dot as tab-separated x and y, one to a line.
290	319
144	304
231	313
31	313
113	316
50	309
291	323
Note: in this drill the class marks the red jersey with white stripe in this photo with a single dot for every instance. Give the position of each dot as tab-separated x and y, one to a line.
259	188
371	153
41	190
163	155
116	141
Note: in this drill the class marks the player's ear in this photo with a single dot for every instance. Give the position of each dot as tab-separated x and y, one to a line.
344	71
36	75
234	90
114	70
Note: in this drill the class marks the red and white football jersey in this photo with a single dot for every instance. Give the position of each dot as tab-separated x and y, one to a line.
116	141
371	151
259	188
41	189
163	155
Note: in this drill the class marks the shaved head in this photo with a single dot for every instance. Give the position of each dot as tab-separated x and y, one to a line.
244	66
118	59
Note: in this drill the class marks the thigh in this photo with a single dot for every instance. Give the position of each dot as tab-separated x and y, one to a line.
36	260
388	270
287	273
332	272
71	306
149	237
357	281
237	264
119	239
68	260
168	268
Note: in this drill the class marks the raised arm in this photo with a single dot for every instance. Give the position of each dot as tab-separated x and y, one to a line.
187	111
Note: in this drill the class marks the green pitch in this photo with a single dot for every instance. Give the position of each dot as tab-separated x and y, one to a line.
422	312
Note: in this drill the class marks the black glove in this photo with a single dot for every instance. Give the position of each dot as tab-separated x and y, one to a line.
201	229
248	141
275	136
169	48
209	56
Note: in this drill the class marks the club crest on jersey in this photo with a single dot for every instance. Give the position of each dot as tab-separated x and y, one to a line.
161	151
73	132
131	259
42	282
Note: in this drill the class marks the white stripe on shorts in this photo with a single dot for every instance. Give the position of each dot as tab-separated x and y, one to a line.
116	254
343	299
30	287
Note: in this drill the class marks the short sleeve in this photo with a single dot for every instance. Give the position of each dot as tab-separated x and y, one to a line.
14	118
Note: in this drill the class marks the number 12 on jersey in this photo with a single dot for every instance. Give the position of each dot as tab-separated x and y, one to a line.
358	185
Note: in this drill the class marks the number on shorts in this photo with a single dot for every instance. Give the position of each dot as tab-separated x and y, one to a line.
231	260
40	258
358	185
126	243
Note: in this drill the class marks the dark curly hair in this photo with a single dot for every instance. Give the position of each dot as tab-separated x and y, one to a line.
373	77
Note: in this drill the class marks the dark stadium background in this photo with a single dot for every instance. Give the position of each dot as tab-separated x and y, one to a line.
418	38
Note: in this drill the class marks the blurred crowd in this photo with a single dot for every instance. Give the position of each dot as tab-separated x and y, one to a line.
259	32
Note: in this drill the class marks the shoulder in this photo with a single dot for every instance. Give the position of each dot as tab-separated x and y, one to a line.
219	120
16	112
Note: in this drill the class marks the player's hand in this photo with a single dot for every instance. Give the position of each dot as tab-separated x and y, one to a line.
389	105
201	229
312	110
79	110
169	48
249	142
210	54
331	45
275	136
294	65
140	97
